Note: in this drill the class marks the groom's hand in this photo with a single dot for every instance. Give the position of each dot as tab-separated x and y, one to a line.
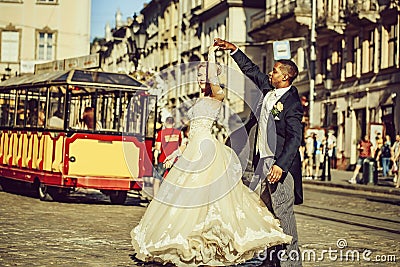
274	174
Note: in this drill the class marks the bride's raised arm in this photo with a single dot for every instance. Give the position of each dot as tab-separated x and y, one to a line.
213	71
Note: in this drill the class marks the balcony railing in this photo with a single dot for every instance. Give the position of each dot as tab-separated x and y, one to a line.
357	6
274	10
368	9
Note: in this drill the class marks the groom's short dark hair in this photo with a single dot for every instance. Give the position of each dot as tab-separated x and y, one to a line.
290	68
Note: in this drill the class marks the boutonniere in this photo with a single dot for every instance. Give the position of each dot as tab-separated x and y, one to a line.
278	107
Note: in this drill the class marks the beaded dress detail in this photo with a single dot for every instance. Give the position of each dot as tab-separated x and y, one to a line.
203	214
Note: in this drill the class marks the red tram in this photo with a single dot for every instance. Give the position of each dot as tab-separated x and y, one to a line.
76	129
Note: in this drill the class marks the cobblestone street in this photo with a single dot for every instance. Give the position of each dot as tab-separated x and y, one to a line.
89	231
368	217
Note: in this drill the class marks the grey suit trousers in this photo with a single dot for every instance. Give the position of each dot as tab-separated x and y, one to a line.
279	198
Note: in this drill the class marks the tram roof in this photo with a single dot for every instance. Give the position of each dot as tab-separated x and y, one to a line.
75	76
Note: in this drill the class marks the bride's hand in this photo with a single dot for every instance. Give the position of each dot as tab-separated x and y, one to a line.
211	53
212	49
168	163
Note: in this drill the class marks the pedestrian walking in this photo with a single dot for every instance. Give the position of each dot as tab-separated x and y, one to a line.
384	155
309	156
332	148
364	148
396	161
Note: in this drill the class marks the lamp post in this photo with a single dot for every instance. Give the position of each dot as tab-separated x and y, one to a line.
138	39
8	73
313	58
326	170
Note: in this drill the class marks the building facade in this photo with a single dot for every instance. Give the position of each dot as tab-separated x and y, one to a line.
36	31
357	77
117	49
180	32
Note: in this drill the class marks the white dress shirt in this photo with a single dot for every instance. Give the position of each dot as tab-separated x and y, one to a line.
269	101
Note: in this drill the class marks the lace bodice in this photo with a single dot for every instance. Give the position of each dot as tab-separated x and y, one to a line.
203	114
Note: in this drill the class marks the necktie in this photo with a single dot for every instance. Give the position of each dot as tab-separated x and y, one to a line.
268	104
271	100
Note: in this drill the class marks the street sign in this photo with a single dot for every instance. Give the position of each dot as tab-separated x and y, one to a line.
55	65
281	50
84	62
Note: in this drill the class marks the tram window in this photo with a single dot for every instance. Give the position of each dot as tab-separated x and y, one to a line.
151	118
106	107
42	107
114	110
7	108
35	109
56	108
82	111
21	111
79	100
134	115
88	121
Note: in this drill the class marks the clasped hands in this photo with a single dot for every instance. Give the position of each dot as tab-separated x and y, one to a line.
224	45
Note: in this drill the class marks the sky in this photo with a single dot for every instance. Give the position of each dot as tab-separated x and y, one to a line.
103	11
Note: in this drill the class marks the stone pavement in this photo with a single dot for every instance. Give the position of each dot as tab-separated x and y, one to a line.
339	179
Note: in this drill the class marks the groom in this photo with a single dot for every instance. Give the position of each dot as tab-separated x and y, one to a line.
280	168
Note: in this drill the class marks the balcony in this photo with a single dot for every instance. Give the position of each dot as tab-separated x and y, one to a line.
268	24
362	11
272	12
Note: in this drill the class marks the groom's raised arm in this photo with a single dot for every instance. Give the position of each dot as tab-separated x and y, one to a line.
247	66
251	70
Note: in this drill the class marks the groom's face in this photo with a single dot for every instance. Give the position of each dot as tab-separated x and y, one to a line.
276	77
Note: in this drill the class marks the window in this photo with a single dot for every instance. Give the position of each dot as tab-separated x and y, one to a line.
31	108
56	108
339	59
104	110
45	46
371	49
9	46
356	43
379	48
324	61
7	108
392	44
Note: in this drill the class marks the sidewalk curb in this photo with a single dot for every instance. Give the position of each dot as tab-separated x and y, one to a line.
357	187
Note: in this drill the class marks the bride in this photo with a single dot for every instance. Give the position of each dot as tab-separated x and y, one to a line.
203	214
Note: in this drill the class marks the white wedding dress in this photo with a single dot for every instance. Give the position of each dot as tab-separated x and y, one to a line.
203	213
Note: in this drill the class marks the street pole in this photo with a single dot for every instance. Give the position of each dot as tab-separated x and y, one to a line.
326	170
179	58
313	58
